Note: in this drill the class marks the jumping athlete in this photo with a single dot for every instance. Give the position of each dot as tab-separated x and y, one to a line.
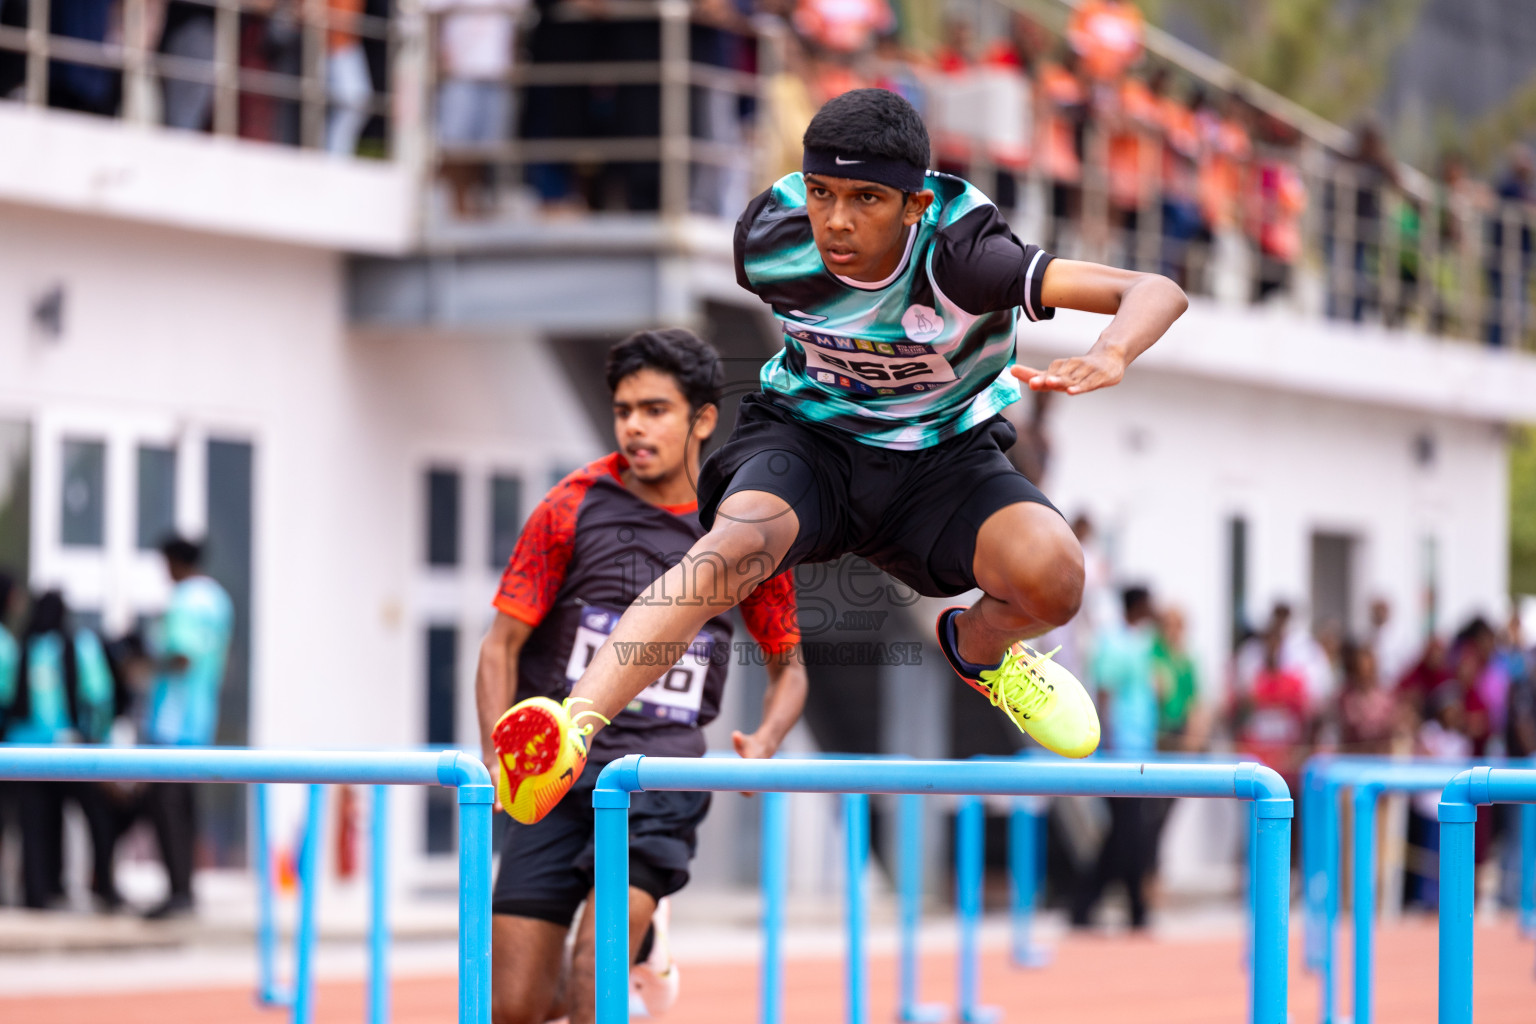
591	548
878	428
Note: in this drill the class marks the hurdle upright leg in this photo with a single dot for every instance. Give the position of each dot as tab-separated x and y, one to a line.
1271	912
1528	869
775	889
378	910
610	835
970	864
1458	829
856	859
309	883
267	991
1363	836
1328	849
909	860
1024	823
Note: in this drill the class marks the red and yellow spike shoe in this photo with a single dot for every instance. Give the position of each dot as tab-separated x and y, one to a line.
543	750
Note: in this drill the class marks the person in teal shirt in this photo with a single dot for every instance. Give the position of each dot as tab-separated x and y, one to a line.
8	650
61	692
1123	671
190	649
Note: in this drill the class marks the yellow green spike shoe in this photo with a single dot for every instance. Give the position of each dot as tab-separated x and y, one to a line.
1038	695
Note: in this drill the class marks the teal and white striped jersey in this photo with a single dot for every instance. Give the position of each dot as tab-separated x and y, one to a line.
910	361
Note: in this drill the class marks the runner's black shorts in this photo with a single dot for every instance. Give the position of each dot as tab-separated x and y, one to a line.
914	514
546	867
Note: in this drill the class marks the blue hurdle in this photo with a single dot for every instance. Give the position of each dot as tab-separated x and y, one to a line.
1368	777
610	801
1458	822
299	998
316	768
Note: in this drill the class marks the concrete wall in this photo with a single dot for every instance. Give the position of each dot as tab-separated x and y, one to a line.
171	337
77	162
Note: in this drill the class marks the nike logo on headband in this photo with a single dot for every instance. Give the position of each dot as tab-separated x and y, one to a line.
844	163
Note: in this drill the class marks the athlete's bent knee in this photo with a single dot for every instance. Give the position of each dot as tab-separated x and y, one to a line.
1060	593
1049	581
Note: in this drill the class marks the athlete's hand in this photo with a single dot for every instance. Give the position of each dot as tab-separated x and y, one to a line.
1075	375
753	745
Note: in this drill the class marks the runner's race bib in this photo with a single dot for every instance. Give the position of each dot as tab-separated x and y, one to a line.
675	697
877	368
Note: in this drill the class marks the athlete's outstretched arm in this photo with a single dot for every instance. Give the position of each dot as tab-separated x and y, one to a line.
1144	306
753	531
782	705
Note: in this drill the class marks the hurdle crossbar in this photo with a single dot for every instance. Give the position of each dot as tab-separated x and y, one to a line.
451	768
1246	781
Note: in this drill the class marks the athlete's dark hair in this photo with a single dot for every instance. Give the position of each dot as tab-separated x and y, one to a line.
870	122
182	551
692	362
1136	601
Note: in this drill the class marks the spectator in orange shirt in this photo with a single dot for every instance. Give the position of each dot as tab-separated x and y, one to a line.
1225	152
1108	35
1132	118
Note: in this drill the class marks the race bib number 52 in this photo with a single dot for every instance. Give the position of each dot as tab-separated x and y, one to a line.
675	697
875	368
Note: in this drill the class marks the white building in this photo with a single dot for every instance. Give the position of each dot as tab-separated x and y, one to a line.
358	403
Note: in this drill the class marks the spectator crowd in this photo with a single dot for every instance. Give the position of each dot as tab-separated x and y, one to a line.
1292	692
1093	146
62	684
180	39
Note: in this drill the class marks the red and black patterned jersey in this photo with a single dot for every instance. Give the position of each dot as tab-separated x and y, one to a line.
589	549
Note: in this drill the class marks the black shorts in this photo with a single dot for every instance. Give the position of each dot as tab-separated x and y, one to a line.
546	868
914	514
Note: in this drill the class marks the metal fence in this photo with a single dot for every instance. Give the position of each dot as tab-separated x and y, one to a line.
454	769
610	802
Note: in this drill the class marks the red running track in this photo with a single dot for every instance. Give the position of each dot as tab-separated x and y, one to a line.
1093	980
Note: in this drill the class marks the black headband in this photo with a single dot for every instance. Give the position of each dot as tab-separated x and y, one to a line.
884	171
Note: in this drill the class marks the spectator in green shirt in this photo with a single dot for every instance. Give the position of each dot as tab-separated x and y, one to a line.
1178	688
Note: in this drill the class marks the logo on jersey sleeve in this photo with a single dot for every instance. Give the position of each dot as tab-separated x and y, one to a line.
922	323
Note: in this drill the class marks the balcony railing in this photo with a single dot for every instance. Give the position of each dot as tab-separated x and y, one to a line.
310	73
634	110
649	107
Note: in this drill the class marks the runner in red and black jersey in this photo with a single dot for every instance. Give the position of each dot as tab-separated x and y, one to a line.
594	545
